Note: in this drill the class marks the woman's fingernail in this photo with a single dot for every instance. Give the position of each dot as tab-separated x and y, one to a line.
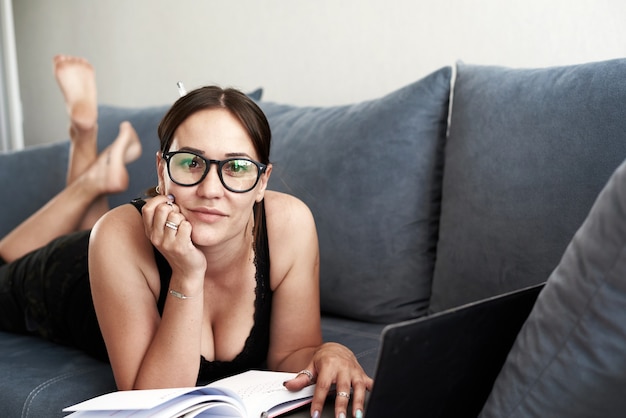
316	414
359	414
170	197
342	415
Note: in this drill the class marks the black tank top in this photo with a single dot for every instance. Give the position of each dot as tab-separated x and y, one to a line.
254	353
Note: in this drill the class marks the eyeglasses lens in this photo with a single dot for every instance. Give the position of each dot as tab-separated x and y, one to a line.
239	174
236	174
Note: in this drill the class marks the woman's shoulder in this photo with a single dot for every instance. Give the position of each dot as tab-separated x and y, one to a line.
290	223
278	201
120	235
292	238
121	216
120	226
287	209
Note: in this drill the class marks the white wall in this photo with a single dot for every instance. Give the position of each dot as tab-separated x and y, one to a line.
314	52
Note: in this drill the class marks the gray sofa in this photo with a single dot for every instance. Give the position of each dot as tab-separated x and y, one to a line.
467	183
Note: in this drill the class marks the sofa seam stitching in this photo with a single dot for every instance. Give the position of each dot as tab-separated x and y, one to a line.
33	393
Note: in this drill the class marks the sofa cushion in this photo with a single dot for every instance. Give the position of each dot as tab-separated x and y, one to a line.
527	154
31	178
370	172
40	378
568	360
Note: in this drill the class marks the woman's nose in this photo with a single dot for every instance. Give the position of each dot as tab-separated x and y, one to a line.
211	186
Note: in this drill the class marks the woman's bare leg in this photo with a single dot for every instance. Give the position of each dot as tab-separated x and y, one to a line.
66	212
77	80
125	149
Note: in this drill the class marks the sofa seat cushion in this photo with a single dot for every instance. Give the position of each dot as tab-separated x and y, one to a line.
568	360
40	378
527	154
371	174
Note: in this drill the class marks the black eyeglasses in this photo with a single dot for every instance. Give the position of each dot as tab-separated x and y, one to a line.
238	175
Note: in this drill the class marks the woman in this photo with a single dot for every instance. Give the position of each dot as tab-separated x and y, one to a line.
214	274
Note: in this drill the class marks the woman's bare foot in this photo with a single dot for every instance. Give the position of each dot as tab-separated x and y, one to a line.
77	80
108	174
127	143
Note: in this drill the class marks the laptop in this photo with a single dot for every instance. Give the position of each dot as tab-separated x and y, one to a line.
445	364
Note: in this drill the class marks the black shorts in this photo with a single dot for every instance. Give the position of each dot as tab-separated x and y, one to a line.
47	293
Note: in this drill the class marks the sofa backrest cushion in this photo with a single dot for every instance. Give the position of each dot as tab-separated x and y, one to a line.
568	360
527	154
371	173
30	178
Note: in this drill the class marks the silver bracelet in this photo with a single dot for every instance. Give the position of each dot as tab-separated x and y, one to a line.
178	294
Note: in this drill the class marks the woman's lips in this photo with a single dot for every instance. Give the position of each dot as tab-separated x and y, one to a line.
208	215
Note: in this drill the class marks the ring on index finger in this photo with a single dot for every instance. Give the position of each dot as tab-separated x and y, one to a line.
308	373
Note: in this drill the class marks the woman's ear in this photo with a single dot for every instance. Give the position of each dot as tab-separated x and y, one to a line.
263	181
161	168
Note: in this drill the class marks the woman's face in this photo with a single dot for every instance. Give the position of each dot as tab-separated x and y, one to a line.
216	214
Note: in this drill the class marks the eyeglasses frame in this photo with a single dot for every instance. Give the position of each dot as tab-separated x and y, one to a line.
167	156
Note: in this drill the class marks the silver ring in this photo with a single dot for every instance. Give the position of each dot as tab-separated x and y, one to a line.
171	225
344	395
308	373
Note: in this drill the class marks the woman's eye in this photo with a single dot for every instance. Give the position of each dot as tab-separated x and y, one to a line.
238	167
190	163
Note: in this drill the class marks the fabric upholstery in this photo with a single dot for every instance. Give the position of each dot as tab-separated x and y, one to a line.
40	378
568	360
527	154
30	178
370	172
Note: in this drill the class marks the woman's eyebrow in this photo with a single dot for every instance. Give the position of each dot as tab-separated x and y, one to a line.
194	150
228	155
237	154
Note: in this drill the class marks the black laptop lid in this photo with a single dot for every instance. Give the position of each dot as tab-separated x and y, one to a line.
444	365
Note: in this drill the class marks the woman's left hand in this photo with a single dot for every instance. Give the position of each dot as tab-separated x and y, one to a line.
335	364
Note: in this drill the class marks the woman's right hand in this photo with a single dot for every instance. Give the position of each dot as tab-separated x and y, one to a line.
170	233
